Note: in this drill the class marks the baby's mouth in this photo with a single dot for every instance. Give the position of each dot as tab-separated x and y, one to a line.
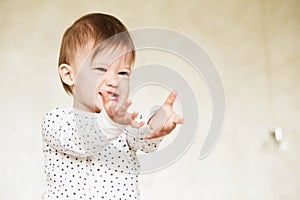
112	96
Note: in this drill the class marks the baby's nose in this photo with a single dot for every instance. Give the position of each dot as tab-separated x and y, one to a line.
112	81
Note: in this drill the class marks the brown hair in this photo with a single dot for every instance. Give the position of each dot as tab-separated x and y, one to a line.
96	27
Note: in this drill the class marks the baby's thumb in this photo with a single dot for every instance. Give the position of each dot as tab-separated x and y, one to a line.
106	105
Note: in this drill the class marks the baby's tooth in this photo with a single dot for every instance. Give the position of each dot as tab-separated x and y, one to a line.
113	96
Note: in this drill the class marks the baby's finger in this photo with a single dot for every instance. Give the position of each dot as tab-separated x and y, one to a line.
134	115
178	119
106	103
170	99
156	135
128	103
135	124
105	97
123	106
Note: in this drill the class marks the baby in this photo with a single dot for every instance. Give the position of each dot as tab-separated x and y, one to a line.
90	148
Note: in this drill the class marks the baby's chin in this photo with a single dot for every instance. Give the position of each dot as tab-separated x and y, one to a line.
97	110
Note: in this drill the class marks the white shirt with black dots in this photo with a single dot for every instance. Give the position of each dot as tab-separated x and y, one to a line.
87	156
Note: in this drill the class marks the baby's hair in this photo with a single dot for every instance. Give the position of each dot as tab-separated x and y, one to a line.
95	27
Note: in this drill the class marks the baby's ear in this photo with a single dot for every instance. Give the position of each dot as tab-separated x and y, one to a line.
66	73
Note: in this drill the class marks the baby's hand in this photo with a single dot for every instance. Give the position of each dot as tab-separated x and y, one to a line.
118	112
165	119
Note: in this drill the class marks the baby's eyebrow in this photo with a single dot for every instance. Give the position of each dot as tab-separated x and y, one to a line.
126	67
101	64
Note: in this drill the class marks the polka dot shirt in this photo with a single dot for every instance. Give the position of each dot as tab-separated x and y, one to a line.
87	156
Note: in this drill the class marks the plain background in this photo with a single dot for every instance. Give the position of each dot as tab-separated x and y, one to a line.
256	48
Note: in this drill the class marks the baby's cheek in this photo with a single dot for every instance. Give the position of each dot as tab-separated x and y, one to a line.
99	85
123	86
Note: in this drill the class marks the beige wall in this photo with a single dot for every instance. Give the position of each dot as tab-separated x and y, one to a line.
256	47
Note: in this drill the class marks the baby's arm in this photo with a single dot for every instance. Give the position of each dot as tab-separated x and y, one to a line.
75	133
59	132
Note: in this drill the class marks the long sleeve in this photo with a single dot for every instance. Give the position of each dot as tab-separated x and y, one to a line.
78	133
87	157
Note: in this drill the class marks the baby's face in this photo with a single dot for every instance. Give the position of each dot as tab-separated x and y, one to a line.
105	73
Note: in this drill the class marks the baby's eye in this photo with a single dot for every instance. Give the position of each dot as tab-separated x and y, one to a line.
101	69
124	73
